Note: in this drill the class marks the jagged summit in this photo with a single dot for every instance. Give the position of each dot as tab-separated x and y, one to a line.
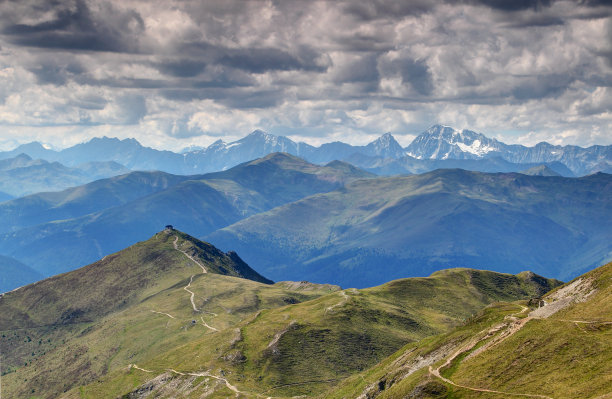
208	256
385	146
444	142
439	142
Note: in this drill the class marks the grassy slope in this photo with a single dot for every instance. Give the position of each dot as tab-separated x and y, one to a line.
273	343
548	356
416	224
73	328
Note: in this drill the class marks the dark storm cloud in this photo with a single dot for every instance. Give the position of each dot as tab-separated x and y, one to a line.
381	9
512	5
363	69
543	86
90	102
78	28
414	73
181	68
417	74
243	99
537	20
596	3
254	59
368	10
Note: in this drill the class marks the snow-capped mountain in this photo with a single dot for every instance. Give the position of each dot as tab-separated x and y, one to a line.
444	142
221	155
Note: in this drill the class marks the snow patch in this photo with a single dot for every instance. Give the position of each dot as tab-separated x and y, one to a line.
476	148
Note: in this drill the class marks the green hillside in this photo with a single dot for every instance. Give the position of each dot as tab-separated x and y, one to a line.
179	321
556	347
414	225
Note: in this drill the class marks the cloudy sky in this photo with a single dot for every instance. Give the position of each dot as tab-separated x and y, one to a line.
174	73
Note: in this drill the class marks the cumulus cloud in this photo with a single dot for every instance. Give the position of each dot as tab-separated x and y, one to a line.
183	71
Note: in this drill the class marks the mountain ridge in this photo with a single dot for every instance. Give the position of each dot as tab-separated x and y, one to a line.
173	306
508	349
22	175
439	142
198	203
420	223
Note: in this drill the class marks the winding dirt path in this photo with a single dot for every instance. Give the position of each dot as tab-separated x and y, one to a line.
507	330
133	366
344	300
186	288
206	325
584	321
166	314
207	374
436	373
175	243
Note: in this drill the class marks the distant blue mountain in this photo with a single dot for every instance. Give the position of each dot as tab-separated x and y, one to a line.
23	175
442	144
15	274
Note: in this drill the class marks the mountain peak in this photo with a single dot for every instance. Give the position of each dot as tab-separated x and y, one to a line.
260	133
385	146
113	140
23	157
445	142
208	257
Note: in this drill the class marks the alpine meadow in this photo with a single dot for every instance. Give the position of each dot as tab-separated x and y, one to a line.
263	199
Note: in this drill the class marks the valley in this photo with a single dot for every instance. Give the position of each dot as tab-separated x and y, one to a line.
319	199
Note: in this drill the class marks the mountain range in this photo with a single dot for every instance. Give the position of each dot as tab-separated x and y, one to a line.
438	147
293	220
23	175
374	230
173	316
57	232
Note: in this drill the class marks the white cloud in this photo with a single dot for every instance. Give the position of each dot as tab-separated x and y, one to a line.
189	71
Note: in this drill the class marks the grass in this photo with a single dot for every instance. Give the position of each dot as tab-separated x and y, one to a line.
87	327
549	356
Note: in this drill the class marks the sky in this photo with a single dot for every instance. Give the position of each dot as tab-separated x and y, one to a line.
183	72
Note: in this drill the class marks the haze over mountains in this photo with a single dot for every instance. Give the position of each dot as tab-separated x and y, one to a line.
23	175
293	220
438	147
373	230
57	232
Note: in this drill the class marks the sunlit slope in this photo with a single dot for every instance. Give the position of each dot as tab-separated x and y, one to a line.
560	350
68	328
301	348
